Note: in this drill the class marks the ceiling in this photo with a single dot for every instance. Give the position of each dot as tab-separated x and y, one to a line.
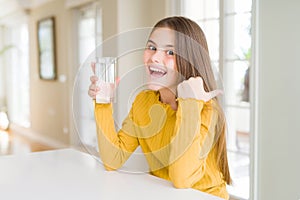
9	7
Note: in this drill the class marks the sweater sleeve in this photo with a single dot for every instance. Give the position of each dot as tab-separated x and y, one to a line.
193	140
114	147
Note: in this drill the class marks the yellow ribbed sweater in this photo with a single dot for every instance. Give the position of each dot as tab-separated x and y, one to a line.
178	145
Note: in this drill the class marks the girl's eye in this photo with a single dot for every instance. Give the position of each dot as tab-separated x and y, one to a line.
170	52
152	48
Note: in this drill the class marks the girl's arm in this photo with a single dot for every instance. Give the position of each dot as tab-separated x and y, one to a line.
193	140
194	133
114	148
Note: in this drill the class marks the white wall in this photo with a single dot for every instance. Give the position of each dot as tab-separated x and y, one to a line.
135	19
278	70
49	100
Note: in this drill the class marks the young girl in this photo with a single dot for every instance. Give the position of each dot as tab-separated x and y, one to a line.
178	121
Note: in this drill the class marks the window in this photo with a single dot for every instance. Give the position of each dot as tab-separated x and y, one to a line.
17	71
89	36
227	26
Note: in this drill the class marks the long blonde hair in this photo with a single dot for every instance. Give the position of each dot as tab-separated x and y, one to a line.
192	58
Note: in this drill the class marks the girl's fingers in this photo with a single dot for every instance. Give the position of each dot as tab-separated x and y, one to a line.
93	91
94	87
92	94
215	93
93	79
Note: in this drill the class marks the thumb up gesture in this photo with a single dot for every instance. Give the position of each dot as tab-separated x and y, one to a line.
193	88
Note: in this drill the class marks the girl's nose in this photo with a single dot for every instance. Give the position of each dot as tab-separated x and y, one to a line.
158	56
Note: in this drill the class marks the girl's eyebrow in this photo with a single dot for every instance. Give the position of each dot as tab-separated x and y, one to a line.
167	45
151	41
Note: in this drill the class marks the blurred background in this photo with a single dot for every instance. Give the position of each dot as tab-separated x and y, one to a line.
46	47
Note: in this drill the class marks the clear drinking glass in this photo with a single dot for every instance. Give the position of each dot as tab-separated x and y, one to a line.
106	71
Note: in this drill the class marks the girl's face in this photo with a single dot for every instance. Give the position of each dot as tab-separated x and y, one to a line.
160	60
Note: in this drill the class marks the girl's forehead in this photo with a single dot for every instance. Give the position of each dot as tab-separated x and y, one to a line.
163	36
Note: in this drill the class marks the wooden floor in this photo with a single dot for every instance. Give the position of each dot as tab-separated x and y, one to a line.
12	143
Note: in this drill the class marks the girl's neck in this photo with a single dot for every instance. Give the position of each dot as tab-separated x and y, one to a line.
168	97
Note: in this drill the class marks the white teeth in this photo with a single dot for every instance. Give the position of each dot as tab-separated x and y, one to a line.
157	70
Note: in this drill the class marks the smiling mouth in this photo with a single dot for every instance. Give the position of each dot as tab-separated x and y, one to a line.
157	72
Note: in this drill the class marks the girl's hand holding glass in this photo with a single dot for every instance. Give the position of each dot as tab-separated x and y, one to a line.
93	88
97	86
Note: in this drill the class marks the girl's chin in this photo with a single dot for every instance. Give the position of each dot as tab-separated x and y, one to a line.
154	87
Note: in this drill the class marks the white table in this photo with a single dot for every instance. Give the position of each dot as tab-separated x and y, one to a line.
70	174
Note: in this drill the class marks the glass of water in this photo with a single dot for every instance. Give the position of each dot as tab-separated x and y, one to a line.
106	71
